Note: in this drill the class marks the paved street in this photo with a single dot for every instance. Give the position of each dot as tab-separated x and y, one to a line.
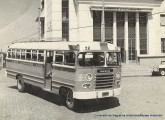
141	98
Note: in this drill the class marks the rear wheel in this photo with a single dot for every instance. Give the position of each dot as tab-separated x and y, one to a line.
162	72
20	84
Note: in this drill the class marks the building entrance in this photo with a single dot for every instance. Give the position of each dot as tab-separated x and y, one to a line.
132	36
120	33
120	27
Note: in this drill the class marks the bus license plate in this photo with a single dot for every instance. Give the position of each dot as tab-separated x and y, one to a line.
105	94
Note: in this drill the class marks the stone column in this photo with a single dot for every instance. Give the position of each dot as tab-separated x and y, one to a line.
126	38
137	34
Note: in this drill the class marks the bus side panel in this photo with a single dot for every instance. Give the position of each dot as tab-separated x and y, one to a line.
31	72
63	77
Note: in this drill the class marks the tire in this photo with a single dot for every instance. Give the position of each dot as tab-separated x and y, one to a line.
162	72
20	84
28	87
70	102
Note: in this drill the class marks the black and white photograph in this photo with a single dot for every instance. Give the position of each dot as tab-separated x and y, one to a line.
82	60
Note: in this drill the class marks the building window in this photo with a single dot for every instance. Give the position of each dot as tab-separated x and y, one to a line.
65	20
162	45
42	27
97	25
143	32
162	19
109	27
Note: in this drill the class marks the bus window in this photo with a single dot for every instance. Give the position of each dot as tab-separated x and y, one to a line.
18	54
28	55
13	53
23	54
112	58
59	57
40	55
91	59
34	55
69	58
9	53
49	56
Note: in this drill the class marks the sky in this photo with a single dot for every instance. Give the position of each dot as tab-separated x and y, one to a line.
17	21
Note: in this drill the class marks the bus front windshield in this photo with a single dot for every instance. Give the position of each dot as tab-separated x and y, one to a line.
98	58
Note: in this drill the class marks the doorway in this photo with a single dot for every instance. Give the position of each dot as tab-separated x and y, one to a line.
132	36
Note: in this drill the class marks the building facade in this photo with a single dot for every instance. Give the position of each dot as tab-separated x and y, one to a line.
137	27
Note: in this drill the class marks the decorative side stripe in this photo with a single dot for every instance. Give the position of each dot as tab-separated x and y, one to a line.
27	61
24	74
64	68
33	80
10	75
55	86
62	83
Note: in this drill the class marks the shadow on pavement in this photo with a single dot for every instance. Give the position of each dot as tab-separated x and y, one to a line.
13	87
38	92
85	106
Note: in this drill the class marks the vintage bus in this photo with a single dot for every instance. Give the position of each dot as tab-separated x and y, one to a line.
74	70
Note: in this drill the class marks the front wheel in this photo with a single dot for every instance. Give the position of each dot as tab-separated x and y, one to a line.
20	84
162	72
71	103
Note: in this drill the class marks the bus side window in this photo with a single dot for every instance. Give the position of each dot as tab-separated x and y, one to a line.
28	55
23	54
13	53
18	54
58	58
41	56
80	59
69	58
34	55
49	56
9	53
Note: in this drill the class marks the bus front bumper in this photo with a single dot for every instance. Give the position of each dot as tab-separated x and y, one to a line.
97	94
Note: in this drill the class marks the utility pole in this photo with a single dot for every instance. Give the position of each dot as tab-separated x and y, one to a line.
103	23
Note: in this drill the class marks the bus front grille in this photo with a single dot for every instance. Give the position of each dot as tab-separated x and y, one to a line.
104	81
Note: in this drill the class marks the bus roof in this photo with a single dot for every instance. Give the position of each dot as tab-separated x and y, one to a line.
81	46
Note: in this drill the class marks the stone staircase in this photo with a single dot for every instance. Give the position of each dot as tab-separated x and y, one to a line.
134	69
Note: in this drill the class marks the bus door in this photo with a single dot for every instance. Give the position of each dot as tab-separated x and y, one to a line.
48	70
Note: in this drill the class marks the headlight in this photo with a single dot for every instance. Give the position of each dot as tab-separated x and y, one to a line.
89	77
118	75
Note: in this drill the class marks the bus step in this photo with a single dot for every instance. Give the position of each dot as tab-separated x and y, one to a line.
48	82
46	89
